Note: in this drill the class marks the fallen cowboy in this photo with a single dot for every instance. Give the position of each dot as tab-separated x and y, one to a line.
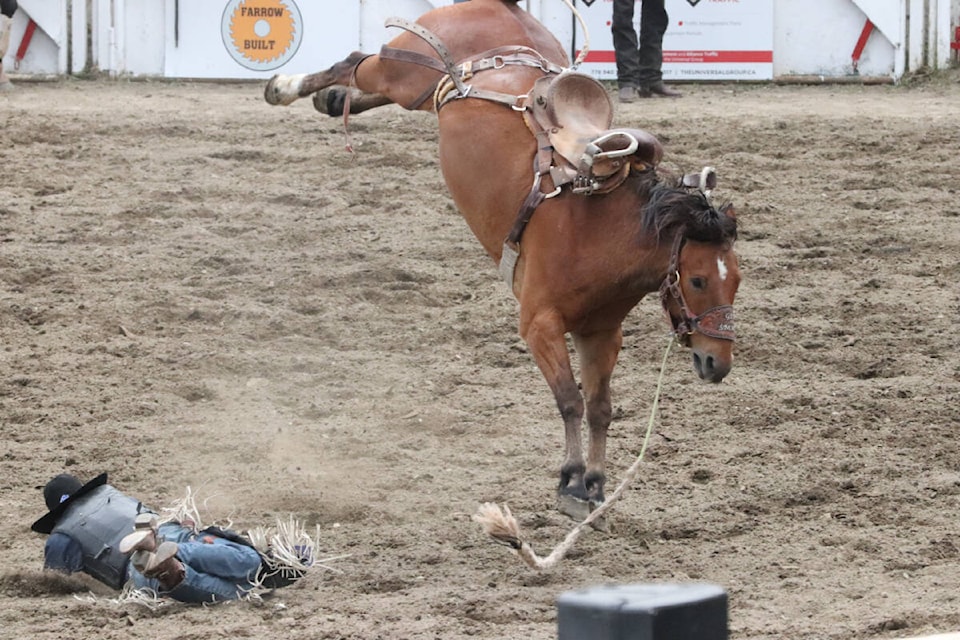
95	529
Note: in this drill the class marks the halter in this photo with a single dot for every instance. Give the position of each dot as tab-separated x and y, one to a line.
716	322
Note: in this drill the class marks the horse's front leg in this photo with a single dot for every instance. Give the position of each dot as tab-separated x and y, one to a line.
282	89
544	334
598	356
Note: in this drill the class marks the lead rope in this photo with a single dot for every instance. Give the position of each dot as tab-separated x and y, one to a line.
586	36
500	524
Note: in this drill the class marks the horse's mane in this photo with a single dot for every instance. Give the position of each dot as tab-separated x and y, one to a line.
670	210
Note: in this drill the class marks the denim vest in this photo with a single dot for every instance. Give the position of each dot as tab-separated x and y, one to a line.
98	522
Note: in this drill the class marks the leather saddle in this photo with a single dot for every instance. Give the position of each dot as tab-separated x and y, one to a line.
570	114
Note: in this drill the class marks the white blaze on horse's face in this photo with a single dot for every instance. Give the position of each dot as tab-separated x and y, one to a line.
722	268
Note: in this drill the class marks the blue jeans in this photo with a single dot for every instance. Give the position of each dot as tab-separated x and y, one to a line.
216	569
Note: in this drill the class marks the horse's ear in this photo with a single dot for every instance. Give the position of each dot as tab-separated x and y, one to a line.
729	211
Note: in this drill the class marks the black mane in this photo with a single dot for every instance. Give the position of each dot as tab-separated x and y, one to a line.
670	210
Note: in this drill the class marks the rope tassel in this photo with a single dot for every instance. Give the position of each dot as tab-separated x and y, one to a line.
499	523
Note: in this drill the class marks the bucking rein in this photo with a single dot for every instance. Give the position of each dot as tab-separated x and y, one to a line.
570	114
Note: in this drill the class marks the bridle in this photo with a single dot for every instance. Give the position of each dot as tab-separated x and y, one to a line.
716	322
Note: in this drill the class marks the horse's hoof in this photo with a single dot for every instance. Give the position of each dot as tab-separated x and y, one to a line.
573	507
578	510
282	90
270	91
330	101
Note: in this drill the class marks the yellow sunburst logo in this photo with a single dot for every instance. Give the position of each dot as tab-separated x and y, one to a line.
263	34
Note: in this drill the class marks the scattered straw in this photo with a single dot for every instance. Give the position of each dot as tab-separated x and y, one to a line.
289	551
146	598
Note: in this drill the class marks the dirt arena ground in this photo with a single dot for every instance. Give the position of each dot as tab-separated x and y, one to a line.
197	289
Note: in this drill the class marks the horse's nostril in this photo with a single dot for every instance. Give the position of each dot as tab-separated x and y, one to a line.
712	369
708	366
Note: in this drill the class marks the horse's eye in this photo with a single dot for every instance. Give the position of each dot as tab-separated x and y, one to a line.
698	283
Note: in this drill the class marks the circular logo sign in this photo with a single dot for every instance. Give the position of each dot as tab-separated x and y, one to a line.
261	34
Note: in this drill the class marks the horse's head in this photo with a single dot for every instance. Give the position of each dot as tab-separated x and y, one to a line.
699	301
702	278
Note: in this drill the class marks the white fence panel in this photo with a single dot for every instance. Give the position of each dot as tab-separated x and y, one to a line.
47	50
824	34
187	38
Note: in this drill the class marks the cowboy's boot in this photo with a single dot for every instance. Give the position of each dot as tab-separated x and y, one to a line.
141	540
5	24
627	93
162	565
658	89
144	536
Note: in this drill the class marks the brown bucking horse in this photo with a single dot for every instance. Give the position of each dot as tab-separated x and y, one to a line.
579	220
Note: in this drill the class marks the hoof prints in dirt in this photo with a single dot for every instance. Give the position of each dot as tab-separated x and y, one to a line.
186	299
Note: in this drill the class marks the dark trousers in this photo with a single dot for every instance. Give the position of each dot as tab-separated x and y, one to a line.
639	62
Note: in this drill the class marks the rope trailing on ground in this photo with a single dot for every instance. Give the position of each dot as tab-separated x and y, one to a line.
500	524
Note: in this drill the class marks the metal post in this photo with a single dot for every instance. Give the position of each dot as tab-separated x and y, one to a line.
696	611
78	38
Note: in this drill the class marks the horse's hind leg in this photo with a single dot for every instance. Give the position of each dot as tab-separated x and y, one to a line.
284	90
332	100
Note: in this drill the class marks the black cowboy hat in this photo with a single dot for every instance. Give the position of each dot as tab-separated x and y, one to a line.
59	494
